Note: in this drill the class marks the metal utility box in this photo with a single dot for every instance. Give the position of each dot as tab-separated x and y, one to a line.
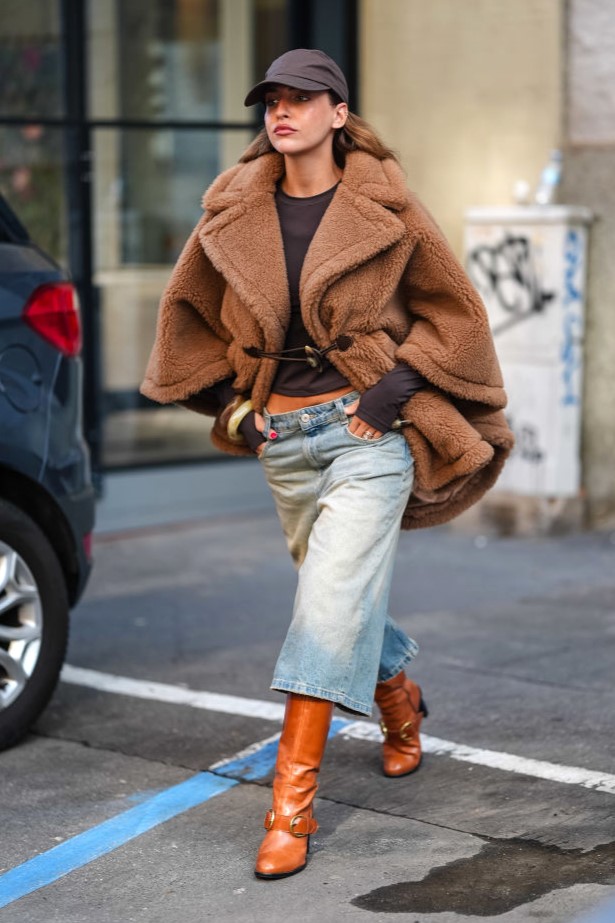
529	265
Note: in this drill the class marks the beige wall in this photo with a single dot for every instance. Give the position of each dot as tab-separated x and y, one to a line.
589	170
469	92
473	94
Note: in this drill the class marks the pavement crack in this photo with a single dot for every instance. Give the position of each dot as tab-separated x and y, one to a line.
116	750
381	813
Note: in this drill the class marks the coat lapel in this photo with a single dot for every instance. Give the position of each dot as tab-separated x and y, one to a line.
242	236
244	242
353	230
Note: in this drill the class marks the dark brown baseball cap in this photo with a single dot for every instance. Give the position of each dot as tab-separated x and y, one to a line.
305	69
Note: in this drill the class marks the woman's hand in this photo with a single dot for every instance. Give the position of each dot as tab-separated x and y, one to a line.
359	427
259	423
363	430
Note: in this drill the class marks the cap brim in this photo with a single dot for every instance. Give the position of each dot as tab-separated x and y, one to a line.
287	80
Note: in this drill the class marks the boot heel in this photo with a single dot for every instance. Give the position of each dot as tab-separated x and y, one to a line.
423	708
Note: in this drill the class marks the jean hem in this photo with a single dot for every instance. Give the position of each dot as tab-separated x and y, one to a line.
338	698
394	671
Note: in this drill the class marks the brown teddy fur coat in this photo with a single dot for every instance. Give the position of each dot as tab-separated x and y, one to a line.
378	270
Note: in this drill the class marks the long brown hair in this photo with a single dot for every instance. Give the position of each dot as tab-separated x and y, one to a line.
356	135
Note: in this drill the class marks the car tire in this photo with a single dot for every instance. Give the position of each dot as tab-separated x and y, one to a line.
34	619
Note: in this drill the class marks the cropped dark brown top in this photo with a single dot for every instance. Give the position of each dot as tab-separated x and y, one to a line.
299	219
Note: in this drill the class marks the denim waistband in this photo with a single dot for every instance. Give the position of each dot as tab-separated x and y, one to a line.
307	418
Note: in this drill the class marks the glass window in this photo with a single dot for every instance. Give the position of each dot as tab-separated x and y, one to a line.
157	61
271	35
170	59
30	58
147	198
32	179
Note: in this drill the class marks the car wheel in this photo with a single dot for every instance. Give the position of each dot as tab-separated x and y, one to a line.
33	622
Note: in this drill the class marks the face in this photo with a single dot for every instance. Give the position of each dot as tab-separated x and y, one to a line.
300	122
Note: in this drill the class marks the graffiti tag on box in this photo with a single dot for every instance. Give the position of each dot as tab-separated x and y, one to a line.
572	320
506	273
527	441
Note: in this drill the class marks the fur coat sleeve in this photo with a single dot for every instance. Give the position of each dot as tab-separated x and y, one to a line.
190	350
459	435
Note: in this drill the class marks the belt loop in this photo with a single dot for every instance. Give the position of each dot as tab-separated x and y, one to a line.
339	406
347	399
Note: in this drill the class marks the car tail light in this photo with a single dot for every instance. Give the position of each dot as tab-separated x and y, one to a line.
53	312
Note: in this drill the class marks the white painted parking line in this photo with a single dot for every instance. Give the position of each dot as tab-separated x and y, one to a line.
175	695
357	730
494	759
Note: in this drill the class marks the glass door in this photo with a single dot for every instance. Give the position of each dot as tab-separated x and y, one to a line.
167	79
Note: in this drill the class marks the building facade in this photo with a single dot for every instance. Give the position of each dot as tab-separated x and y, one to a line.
116	114
475	95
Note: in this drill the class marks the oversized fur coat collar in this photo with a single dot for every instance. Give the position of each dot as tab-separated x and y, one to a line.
243	240
379	270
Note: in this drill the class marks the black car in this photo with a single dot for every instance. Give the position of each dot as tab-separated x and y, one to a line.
46	496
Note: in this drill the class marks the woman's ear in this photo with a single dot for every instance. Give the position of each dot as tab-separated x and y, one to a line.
341	115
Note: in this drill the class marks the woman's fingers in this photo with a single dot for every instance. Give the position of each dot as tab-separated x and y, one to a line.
259	422
359	427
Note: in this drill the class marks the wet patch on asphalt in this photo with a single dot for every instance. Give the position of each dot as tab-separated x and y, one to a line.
503	875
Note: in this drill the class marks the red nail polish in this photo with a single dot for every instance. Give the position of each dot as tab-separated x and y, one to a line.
273	434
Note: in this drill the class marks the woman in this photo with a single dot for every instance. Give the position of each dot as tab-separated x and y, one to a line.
318	313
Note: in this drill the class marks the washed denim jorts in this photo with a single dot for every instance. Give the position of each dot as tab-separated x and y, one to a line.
340	500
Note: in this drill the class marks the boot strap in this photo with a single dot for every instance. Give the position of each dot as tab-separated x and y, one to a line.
405	732
298	825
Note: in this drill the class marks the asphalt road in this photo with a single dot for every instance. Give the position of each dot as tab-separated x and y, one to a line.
112	794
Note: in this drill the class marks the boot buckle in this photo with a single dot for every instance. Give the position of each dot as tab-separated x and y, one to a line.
405	732
299	825
296	820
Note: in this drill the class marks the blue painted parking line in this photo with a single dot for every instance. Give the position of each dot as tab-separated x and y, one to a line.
43	870
605	913
254	763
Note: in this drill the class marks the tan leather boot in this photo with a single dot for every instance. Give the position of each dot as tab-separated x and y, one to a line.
290	822
402	707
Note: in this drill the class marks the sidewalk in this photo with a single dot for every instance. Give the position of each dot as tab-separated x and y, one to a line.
517	648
